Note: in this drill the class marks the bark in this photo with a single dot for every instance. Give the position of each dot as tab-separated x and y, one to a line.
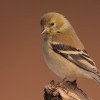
64	90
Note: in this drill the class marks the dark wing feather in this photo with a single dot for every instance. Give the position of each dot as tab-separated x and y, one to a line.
80	59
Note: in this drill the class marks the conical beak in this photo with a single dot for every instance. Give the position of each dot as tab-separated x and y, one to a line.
46	29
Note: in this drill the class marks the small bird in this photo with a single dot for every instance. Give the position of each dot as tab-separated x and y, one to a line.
63	51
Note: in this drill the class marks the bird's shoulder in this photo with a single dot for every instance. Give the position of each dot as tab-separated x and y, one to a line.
69	37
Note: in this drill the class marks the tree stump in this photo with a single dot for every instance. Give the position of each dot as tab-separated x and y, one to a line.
64	90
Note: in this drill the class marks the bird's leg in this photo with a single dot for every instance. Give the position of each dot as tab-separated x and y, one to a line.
60	84
73	84
52	83
64	80
63	84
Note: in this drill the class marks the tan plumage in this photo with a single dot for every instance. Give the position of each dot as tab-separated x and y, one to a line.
68	38
64	53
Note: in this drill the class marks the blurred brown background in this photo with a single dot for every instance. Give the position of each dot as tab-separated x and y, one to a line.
23	72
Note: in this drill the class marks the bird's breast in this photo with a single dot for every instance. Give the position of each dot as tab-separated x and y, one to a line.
59	65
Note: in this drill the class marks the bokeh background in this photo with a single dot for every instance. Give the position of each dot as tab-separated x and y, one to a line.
23	72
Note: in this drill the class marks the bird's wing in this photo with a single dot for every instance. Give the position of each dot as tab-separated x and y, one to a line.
79	57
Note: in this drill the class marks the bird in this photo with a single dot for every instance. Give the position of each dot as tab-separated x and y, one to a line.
63	51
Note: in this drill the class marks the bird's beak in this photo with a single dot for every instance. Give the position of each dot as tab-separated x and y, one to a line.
46	29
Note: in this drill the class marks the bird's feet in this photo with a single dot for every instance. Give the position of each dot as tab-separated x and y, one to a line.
67	85
66	82
73	85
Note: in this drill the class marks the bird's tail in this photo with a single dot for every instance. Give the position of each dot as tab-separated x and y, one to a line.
96	77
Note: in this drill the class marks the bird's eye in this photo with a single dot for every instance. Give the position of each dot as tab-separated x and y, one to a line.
52	24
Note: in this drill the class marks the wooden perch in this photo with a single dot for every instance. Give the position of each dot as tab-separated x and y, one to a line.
64	90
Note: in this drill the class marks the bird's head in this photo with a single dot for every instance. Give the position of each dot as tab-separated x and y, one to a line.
53	23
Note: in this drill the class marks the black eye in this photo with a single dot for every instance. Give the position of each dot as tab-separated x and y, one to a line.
52	24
